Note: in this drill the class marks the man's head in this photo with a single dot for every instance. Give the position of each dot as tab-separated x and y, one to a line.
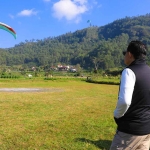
135	50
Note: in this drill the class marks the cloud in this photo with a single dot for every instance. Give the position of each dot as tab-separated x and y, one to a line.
70	9
27	12
97	4
81	2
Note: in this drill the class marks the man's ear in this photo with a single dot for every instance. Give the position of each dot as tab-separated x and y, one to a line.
131	55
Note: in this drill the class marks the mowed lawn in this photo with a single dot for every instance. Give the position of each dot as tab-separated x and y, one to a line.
70	115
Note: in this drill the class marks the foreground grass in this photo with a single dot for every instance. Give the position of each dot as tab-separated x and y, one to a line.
77	117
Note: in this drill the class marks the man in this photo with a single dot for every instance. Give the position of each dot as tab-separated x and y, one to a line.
132	113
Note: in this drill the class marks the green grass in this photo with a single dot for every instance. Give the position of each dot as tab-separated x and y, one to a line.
78	117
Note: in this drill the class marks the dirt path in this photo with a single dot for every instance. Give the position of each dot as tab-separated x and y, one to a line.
30	90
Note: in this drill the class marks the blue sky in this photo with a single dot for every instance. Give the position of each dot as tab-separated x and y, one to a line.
39	19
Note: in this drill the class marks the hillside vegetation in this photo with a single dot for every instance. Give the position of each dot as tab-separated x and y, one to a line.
93	47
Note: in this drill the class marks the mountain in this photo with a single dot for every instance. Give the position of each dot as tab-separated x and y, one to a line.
93	47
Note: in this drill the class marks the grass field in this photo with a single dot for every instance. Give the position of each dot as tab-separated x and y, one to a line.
72	115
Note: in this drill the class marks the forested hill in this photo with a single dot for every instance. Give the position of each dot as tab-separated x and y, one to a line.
91	47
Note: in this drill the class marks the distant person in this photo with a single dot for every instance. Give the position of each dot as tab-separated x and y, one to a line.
132	113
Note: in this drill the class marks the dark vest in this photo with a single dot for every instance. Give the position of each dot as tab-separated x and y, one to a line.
137	118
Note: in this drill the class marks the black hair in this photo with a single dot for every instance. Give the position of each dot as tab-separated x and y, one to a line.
138	49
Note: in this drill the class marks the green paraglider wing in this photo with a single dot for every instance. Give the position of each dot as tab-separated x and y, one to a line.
8	29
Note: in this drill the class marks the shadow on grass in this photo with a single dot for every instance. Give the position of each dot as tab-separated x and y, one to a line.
102	144
103	82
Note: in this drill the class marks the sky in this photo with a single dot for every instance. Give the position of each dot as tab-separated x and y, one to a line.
40	19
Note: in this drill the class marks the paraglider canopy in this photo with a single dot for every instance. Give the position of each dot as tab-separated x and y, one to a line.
89	21
8	29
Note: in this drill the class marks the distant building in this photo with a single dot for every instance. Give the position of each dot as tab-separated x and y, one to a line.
73	70
63	68
33	69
